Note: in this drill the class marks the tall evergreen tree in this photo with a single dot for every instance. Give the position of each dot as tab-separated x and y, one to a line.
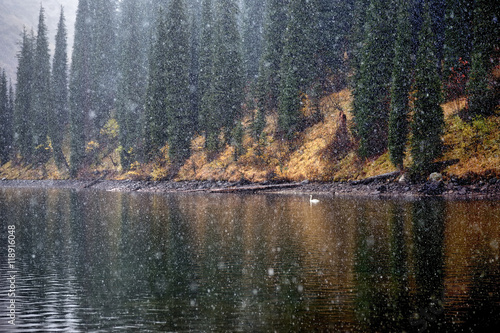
485	56
253	20
331	32
194	13
92	83
82	106
104	60
298	68
400	89
428	117
41	85
133	80
458	34
372	83
156	122
335	25
276	19
58	119
438	14
177	105
205	62
226	86
23	113
5	120
357	36
11	106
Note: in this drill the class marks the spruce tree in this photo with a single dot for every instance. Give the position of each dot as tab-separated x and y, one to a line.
428	119
6	119
357	36
481	92
226	86
132	82
400	89
331	31
5	128
104	60
177	105
194	66
298	68
336	20
205	63
253	20
23	112
82	106
41	86
276	19
372	83
155	122
58	119
458	42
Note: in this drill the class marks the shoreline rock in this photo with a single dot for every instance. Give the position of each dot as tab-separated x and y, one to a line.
383	189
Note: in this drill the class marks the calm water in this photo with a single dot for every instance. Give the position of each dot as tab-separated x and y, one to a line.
99	262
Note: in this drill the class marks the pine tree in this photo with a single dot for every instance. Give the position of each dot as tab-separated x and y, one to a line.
92	83
23	113
298	68
156	123
58	119
103	57
5	124
276	19
194	13
205	63
41	86
9	122
253	20
481	97
400	89
357	36
80	87
333	22
428	118
458	38
177	106
372	83
438	16
133	81
336	20
226	86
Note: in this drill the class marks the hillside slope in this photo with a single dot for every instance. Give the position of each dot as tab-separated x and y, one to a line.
325	151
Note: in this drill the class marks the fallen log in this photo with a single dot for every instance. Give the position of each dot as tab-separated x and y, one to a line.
92	183
252	188
384	176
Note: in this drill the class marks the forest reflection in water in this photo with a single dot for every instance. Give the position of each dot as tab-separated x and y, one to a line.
96	261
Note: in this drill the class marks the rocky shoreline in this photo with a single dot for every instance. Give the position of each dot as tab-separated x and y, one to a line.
489	189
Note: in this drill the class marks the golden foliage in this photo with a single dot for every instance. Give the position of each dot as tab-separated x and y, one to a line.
476	145
91	146
325	151
111	128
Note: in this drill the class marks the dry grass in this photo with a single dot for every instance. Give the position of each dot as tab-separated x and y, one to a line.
476	145
325	151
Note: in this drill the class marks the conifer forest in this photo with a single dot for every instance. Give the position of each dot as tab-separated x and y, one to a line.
172	85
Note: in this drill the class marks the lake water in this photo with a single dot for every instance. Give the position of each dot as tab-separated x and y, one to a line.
90	261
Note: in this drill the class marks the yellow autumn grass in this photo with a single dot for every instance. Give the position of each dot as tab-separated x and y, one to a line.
313	155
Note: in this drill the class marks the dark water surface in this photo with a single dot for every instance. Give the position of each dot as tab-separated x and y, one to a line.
114	262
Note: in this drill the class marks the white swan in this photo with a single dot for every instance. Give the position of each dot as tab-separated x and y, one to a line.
313	201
